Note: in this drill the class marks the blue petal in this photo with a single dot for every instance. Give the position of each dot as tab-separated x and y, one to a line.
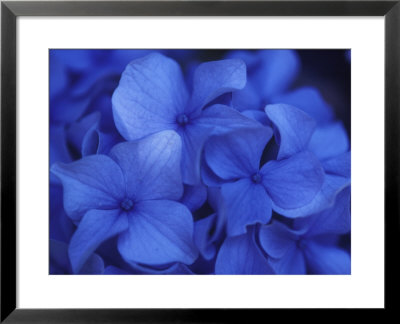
329	141
325	259
324	199
151	166
257	115
293	262
293	182
240	255
246	203
193	139
94	182
238	153
160	232
293	128
339	165
93	265
277	239
150	95
208	177
247	99
223	119
80	132
278	70
96	227
310	101
194	197
335	220
212	79
207	232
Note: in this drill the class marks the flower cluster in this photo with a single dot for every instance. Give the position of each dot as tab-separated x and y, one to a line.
194	162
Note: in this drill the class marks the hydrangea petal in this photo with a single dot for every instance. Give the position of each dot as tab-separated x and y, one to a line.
293	128
324	199
329	141
246	203
246	99
223	119
334	220
240	255
94	182
160	232
257	115
207	232
194	197
212	79
293	182
276	239
193	139
59	261
309	100
237	154
278	70
78	130
339	165
292	263
325	259
151	166
96	227
150	95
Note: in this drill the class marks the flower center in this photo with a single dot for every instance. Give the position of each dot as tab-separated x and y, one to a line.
182	119
126	204
256	177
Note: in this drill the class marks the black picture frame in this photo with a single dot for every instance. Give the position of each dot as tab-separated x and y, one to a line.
10	10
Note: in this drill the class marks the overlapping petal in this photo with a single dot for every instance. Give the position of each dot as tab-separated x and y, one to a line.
293	128
96	227
212	79
160	232
326	259
230	258
293	182
329	141
334	220
324	199
246	203
237	154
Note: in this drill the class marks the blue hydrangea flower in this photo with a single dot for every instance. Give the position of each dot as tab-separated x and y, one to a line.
311	245
152	96
131	193
250	192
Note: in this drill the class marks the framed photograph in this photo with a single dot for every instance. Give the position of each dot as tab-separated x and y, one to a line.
189	160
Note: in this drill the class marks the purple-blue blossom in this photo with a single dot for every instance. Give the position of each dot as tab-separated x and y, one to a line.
200	162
